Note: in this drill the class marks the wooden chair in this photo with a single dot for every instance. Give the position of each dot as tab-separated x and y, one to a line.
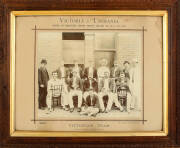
56	95
122	96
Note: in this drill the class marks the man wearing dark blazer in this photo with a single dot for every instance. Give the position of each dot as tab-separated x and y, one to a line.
115	73
43	78
75	88
90	72
90	79
115	70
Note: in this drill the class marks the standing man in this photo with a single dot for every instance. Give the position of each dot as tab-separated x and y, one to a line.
77	69
90	72
62	75
135	85
102	70
75	88
126	65
115	72
43	78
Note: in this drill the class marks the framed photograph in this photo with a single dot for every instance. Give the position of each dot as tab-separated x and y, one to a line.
89	75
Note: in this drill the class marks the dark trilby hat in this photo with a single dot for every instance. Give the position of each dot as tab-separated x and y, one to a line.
43	61
126	62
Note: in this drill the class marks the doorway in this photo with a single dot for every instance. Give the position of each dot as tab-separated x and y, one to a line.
109	55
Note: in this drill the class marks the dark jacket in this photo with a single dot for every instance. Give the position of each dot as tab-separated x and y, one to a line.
86	73
78	84
60	73
94	102
117	73
80	72
94	85
127	75
123	85
43	76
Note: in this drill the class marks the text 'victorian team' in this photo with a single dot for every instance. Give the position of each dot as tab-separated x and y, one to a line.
89	85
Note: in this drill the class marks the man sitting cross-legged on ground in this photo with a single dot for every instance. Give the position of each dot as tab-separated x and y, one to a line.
54	89
75	89
106	87
90	104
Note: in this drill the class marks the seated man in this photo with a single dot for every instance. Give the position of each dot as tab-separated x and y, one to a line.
123	89
54	88
75	89
90	79
62	75
106	88
90	104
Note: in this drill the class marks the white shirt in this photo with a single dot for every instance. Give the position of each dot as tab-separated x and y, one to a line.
55	87
106	84
76	68
62	72
114	72
74	82
91	72
102	70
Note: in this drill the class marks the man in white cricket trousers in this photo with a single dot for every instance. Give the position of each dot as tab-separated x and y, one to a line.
105	87
121	83
62	75
53	89
135	85
75	89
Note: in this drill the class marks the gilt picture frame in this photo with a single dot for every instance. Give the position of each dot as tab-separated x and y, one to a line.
75	130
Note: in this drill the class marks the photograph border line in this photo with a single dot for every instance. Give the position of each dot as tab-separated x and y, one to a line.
35	42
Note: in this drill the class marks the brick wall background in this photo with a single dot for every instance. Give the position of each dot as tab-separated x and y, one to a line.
123	45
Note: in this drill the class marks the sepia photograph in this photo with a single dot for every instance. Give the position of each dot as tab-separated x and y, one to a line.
90	74
85	74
